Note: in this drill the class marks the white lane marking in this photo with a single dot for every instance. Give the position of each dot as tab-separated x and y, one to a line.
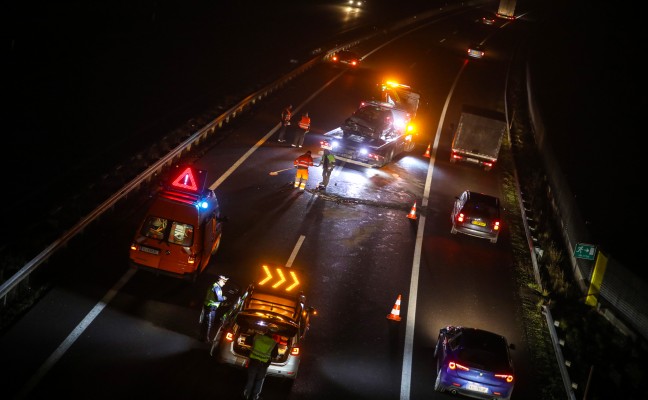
406	374
291	259
74	335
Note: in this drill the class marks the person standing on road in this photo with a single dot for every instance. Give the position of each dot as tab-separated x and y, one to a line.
264	349
302	163
286	115
214	298
327	163
304	127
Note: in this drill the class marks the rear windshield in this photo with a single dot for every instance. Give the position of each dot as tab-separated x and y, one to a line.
164	229
482	210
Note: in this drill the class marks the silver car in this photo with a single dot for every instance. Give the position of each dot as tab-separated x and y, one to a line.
476	214
286	316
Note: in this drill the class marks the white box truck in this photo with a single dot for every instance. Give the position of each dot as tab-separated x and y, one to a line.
478	137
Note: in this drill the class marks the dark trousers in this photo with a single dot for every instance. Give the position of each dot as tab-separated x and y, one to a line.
300	134
282	132
326	175
256	373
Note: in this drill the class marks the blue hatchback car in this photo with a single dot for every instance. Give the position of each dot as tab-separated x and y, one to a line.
473	362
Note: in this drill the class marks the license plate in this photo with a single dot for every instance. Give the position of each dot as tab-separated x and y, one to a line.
479	223
472	160
477	388
150	250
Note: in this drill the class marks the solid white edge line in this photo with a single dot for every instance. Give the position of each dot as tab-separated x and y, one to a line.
74	335
406	373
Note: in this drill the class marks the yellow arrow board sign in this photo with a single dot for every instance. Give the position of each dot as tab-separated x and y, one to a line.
279	278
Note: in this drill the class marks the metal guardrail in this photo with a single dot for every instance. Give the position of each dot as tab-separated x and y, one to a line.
201	135
156	168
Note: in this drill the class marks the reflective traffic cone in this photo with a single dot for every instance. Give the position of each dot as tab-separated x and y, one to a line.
427	152
395	312
412	213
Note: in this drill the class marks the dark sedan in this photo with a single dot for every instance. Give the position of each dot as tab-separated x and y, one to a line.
347	58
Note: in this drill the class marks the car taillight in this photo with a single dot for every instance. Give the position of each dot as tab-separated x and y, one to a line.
354	63
506	377
496	226
229	336
454	365
294	351
135	246
460	217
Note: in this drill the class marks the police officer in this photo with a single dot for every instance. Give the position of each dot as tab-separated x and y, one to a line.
264	349
212	305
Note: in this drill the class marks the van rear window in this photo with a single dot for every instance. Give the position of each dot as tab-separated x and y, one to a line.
162	229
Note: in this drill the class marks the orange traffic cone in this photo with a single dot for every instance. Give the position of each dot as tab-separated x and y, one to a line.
427	152
395	312
412	213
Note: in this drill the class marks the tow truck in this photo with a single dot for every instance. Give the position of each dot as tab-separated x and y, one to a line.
182	228
377	131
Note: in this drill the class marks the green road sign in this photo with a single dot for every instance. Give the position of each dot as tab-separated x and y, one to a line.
585	251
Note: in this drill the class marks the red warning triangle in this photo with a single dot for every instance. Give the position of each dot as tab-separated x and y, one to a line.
186	180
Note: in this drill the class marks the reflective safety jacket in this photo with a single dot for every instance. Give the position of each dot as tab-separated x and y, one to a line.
262	348
285	116
304	161
328	161
214	296
304	123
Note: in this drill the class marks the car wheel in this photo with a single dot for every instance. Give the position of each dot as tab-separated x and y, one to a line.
438	387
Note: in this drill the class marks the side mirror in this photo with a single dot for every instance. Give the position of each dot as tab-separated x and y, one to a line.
312	310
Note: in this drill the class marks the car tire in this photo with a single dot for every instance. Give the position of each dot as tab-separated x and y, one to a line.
438	387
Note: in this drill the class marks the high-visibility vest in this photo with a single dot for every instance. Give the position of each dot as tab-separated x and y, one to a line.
304	161
214	296
305	122
262	348
285	116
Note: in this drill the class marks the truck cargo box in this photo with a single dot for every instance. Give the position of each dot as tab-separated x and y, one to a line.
478	137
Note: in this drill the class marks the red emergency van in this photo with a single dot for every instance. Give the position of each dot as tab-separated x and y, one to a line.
182	228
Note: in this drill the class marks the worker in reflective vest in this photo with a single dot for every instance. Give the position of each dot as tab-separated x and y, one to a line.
304	127
264	349
286	115
327	163
302	163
